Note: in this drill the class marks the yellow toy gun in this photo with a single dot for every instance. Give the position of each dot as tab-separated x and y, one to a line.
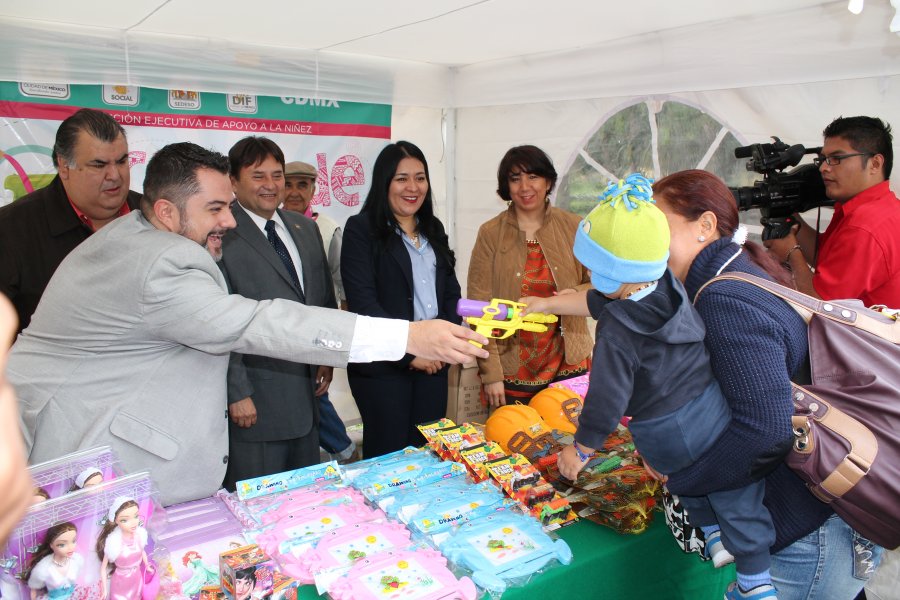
499	319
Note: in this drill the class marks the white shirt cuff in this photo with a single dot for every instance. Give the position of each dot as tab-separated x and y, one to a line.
378	339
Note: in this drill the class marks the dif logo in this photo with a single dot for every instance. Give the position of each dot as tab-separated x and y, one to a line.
122	95
184	99
241	103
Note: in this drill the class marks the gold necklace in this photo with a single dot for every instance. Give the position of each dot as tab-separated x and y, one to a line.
638	289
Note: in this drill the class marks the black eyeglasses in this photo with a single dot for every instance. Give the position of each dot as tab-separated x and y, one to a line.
835	159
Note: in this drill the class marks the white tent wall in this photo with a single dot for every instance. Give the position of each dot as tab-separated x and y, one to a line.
796	113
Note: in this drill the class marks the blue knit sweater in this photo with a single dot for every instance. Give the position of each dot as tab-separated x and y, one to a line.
756	342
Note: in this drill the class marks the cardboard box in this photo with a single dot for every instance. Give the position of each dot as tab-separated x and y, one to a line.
464	395
246	572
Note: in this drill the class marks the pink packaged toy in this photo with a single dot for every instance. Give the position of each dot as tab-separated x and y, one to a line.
421	574
345	546
54	549
578	384
294	535
196	533
300	499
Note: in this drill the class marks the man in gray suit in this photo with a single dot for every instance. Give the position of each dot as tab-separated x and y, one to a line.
271	402
129	345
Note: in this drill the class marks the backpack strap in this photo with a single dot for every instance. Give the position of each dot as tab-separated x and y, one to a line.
806	306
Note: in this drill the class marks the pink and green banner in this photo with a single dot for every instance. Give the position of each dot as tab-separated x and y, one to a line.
340	138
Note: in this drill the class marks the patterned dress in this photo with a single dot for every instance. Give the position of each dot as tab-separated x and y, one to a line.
541	355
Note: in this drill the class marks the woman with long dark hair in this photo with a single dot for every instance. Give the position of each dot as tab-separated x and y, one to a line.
396	262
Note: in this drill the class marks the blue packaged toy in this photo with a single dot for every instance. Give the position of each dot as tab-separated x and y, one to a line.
504	549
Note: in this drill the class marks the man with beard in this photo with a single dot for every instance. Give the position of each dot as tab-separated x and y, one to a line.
90	190
130	344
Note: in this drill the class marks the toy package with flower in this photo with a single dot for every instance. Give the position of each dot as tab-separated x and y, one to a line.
76	471
429	431
195	534
395	504
404	474
476	456
452	440
288	480
296	534
247	567
421	574
53	550
341	548
504	549
525	484
436	519
501	318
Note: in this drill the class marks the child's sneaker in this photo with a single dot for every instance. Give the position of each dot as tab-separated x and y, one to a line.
758	593
716	551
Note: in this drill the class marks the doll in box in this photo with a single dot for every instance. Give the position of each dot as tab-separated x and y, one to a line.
121	548
55	565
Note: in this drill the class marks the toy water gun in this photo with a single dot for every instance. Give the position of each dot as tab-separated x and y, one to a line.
499	318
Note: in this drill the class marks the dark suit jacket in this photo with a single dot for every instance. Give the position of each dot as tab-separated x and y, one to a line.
380	284
37	232
282	391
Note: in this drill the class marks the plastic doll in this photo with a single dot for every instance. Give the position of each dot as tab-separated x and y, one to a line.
55	565
202	574
87	478
39	495
121	544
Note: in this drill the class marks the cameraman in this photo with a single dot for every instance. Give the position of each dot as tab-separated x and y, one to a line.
859	252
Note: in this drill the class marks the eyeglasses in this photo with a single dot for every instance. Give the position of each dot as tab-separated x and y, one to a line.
835	159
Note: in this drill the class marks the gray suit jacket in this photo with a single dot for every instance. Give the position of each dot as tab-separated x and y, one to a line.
129	347
282	391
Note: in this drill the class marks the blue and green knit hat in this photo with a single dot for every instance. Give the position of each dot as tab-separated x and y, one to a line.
625	238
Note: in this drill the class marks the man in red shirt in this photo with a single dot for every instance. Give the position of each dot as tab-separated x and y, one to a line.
858	255
91	189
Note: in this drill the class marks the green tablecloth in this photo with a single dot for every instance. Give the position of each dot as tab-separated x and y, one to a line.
626	567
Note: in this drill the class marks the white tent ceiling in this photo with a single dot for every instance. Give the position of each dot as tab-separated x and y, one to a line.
447	53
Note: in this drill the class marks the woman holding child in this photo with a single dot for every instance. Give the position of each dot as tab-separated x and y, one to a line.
728	470
756	344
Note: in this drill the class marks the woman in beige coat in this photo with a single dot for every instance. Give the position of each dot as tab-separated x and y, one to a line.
526	250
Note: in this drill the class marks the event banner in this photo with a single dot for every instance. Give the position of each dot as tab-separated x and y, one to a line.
340	138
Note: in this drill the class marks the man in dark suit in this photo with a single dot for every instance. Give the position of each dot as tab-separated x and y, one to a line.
91	189
271	254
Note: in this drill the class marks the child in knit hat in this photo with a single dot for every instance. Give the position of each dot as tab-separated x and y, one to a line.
650	362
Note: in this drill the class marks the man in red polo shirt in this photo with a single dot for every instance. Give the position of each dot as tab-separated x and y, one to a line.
859	252
90	190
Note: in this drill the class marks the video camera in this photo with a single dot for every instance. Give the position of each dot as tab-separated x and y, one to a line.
780	195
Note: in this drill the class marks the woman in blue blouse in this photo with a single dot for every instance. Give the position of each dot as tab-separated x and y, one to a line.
397	263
